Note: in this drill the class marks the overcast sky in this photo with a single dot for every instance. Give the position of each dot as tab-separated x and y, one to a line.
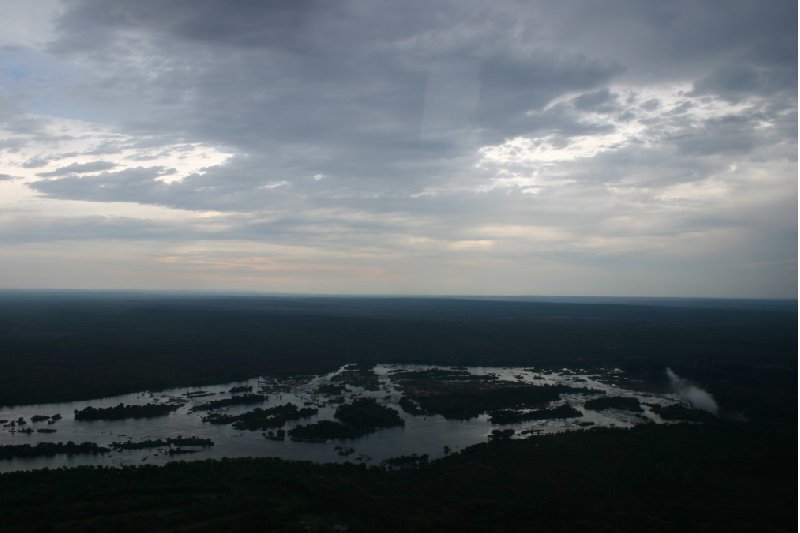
369	147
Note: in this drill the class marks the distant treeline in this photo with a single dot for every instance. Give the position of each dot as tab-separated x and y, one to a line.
83	346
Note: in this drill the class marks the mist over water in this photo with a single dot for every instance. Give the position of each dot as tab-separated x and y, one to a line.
697	397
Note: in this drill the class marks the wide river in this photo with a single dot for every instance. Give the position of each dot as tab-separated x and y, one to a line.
420	435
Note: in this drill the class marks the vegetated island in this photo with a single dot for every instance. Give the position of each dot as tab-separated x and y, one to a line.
162	443
245	399
14	423
614	402
465	399
48	449
441	374
359	418
121	411
330	389
198	394
410	406
358	375
180	451
262	419
511	416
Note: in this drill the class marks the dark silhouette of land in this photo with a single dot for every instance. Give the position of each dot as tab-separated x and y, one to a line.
67	346
652	478
734	472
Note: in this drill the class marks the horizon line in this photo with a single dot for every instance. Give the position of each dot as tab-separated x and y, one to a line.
223	292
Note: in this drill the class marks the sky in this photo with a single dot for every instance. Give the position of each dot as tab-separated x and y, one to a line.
584	147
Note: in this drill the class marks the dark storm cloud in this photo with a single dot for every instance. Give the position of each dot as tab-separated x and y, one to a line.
262	72
658	40
345	84
735	81
269	24
345	89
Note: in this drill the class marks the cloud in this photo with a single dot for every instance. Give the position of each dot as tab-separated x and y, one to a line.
599	138
35	162
139	184
599	100
79	168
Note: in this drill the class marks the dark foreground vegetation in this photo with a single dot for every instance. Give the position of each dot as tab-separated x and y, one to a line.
719	477
736	472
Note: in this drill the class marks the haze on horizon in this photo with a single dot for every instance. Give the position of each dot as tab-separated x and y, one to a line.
449	147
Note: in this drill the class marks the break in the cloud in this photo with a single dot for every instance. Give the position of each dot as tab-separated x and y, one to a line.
618	147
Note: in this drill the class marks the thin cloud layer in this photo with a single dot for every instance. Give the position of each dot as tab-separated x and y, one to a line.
456	147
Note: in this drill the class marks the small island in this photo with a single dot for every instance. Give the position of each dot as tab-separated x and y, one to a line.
359	418
262	419
49	449
614	402
331	389
358	376
468	398
245	399
121	411
510	416
162	443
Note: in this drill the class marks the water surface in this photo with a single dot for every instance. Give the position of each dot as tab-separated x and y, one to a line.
420	435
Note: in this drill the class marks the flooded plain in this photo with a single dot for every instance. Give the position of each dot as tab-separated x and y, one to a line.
431	411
